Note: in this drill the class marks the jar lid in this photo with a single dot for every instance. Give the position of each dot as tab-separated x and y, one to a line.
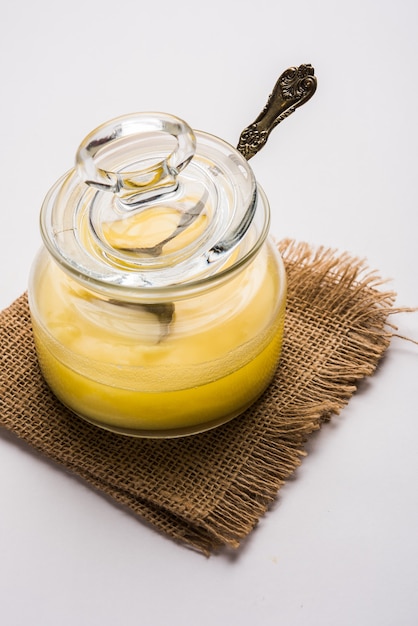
152	205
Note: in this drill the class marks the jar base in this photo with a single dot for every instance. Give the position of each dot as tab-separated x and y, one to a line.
171	433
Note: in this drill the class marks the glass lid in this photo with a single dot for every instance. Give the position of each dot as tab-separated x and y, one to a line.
152	205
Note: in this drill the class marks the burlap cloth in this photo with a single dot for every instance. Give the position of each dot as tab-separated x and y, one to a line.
209	490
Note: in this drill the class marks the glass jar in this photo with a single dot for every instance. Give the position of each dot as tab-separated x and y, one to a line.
158	299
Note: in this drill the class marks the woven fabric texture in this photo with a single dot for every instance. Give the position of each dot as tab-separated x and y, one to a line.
210	490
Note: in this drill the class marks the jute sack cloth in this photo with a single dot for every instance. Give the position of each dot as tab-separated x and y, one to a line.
210	490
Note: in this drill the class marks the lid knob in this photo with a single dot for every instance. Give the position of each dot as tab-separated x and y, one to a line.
116	156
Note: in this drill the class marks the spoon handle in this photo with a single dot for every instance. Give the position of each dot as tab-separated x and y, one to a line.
293	88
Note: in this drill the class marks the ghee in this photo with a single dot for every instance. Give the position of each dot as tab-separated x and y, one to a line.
110	364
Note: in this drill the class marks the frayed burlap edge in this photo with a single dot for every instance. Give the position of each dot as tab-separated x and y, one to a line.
355	290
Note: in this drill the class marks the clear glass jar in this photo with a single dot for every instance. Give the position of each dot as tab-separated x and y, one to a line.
158	299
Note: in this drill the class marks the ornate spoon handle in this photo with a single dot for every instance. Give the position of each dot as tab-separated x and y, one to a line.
294	87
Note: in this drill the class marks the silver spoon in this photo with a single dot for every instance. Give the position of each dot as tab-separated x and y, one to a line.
293	88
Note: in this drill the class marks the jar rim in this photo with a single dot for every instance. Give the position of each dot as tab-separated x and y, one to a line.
126	292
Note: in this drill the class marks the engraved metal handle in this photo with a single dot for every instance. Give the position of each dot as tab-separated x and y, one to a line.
293	88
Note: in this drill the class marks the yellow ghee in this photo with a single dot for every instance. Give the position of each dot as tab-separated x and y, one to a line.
116	364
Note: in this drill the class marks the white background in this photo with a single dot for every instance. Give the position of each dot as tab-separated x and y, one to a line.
340	547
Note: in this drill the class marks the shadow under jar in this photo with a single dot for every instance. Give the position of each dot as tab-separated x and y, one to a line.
158	299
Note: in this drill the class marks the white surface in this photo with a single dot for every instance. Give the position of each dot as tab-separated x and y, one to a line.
341	544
